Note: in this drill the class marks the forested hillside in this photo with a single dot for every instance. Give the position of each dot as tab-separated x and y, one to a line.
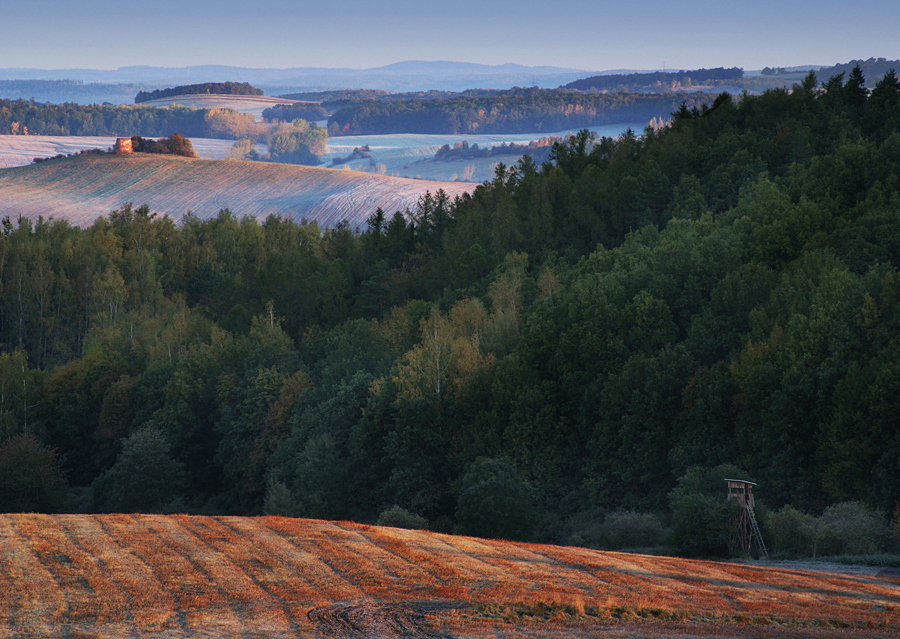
223	88
514	111
657	80
604	332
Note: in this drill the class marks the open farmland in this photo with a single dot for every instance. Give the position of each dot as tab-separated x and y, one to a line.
82	188
412	154
20	150
254	104
178	576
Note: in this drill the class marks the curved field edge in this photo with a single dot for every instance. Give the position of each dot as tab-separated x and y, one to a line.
80	189
184	575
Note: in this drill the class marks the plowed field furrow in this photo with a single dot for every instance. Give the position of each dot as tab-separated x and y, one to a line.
354	568
31	590
492	578
455	578
634	583
254	609
196	594
328	583
268	571
270	614
396	564
82	188
71	569
151	604
526	564
114	602
385	572
179	576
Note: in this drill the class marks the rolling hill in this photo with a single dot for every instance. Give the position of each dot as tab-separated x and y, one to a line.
20	150
82	188
254	104
178	576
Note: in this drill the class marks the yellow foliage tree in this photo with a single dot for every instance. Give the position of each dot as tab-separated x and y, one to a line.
448	354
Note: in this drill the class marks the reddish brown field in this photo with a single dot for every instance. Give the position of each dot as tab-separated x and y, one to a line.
80	189
184	576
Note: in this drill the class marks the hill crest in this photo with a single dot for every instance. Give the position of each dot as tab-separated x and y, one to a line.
81	189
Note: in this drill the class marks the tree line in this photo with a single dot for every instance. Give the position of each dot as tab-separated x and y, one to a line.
578	346
218	88
654	80
295	142
103	119
514	111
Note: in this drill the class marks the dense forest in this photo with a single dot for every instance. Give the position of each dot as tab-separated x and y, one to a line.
218	88
578	345
657	80
514	111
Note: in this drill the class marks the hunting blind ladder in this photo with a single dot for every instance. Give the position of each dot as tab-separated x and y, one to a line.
748	534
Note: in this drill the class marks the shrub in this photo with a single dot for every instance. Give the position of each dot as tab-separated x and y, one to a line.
792	532
846	528
703	520
629	529
30	479
175	144
397	517
145	478
851	528
495	501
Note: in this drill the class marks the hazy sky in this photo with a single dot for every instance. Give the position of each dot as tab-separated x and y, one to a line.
584	34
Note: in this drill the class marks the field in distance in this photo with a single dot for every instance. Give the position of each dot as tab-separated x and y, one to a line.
181	576
254	104
80	189
20	150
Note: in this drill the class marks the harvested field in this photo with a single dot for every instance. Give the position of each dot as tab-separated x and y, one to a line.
254	104
20	150
80	189
184	576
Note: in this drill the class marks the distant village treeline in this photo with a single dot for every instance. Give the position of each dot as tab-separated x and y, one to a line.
577	348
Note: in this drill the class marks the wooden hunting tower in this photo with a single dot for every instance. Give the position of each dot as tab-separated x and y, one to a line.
748	535
123	145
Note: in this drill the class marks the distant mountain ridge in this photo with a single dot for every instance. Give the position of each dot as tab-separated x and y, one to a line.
410	75
223	72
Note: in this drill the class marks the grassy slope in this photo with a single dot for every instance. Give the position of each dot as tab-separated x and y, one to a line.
82	188
121	575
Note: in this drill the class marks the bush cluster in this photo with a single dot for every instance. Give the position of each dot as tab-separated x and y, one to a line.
844	528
